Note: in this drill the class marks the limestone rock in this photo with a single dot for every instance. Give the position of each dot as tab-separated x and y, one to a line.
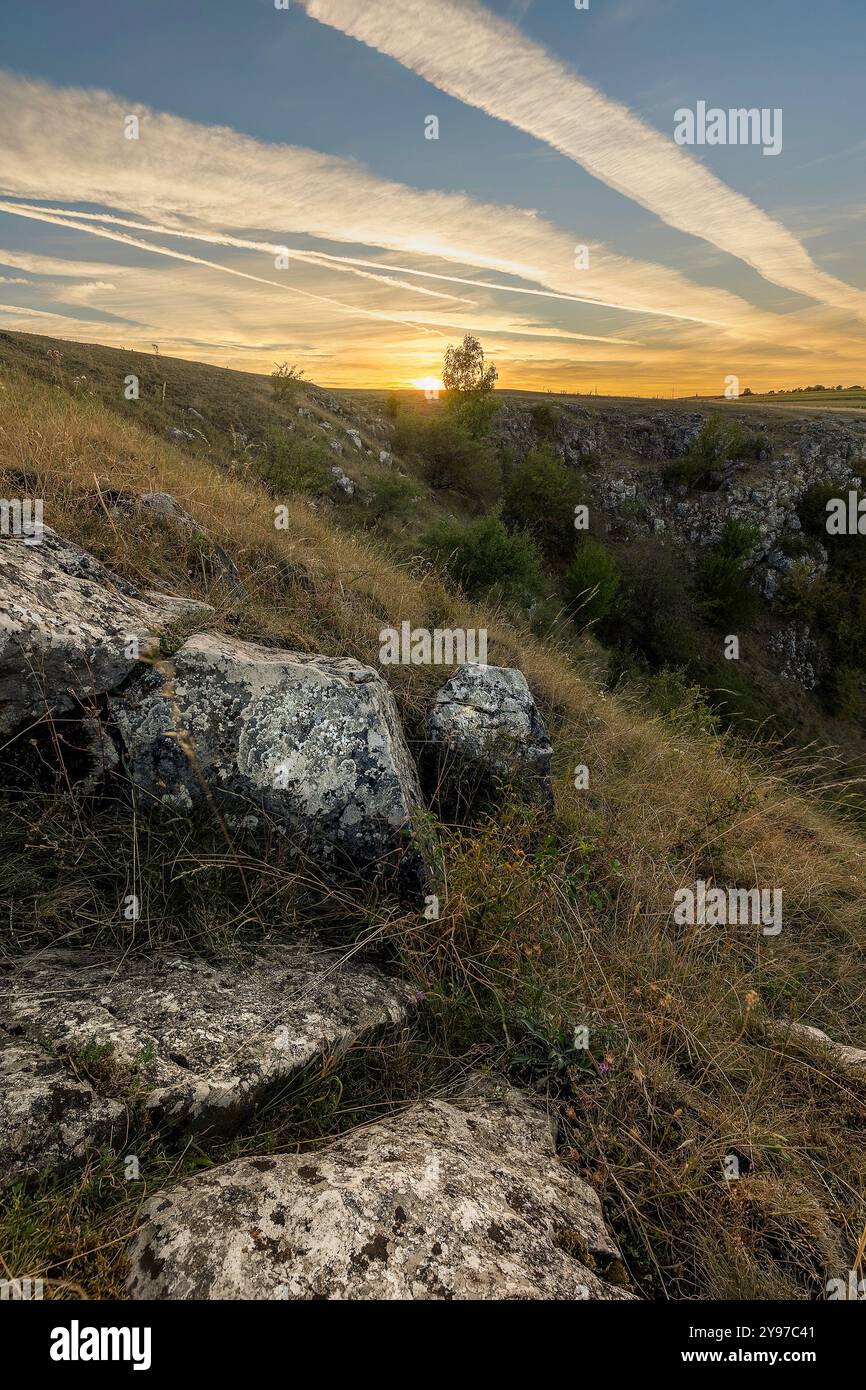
49	1117
198	1044
486	716
460	1199
65	626
786	1030
312	744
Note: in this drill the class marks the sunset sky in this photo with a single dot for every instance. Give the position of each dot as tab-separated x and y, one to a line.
262	128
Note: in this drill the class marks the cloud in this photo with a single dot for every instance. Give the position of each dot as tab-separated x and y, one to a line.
69	144
487	62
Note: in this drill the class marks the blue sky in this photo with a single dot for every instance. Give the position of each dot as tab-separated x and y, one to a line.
679	293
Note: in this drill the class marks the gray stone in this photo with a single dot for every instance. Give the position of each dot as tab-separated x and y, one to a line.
65	626
786	1030
49	1117
197	1044
487	716
460	1199
343	481
311	744
179	436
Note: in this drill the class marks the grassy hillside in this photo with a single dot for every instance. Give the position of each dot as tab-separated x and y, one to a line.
545	927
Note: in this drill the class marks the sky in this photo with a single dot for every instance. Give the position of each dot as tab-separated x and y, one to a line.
351	185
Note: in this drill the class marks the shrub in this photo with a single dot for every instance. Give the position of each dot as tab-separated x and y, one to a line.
540	497
722	582
293	465
391	495
286	382
592	580
717	441
653	614
546	418
473	411
683	701
447	457
483	554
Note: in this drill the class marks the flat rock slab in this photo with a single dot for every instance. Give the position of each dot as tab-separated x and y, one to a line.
197	1044
65	627
457	1199
49	1117
311	743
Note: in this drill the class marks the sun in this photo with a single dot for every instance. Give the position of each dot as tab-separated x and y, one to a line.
428	383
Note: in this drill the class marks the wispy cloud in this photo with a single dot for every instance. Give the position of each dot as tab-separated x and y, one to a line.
487	62
68	144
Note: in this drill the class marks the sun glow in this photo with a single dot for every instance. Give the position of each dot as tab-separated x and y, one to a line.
428	383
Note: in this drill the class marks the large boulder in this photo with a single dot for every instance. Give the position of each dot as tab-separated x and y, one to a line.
198	1045
311	744
66	624
461	1199
484	725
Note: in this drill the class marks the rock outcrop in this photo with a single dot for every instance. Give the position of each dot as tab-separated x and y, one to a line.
461	1199
195	1045
69	628
485	721
309	743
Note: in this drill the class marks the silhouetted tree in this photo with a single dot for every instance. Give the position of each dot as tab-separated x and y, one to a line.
464	368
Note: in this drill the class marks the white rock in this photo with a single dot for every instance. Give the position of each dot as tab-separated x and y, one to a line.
461	1199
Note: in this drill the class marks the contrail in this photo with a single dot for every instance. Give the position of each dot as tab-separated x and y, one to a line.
274	248
487	62
74	225
61	217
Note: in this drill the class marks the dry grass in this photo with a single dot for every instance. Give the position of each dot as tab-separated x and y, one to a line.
545	927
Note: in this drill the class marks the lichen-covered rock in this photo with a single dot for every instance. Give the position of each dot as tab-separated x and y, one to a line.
787	1031
309	743
461	1199
49	1117
485	718
66	624
198	1044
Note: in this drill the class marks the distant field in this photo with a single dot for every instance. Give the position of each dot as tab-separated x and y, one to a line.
852	398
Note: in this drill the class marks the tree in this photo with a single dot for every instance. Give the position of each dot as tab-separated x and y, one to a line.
464	368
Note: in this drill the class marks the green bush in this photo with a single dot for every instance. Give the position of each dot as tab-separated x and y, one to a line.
483	554
722	587
473	411
540	497
446	455
653	614
391	495
717	441
546	419
289	464
592	580
672	693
